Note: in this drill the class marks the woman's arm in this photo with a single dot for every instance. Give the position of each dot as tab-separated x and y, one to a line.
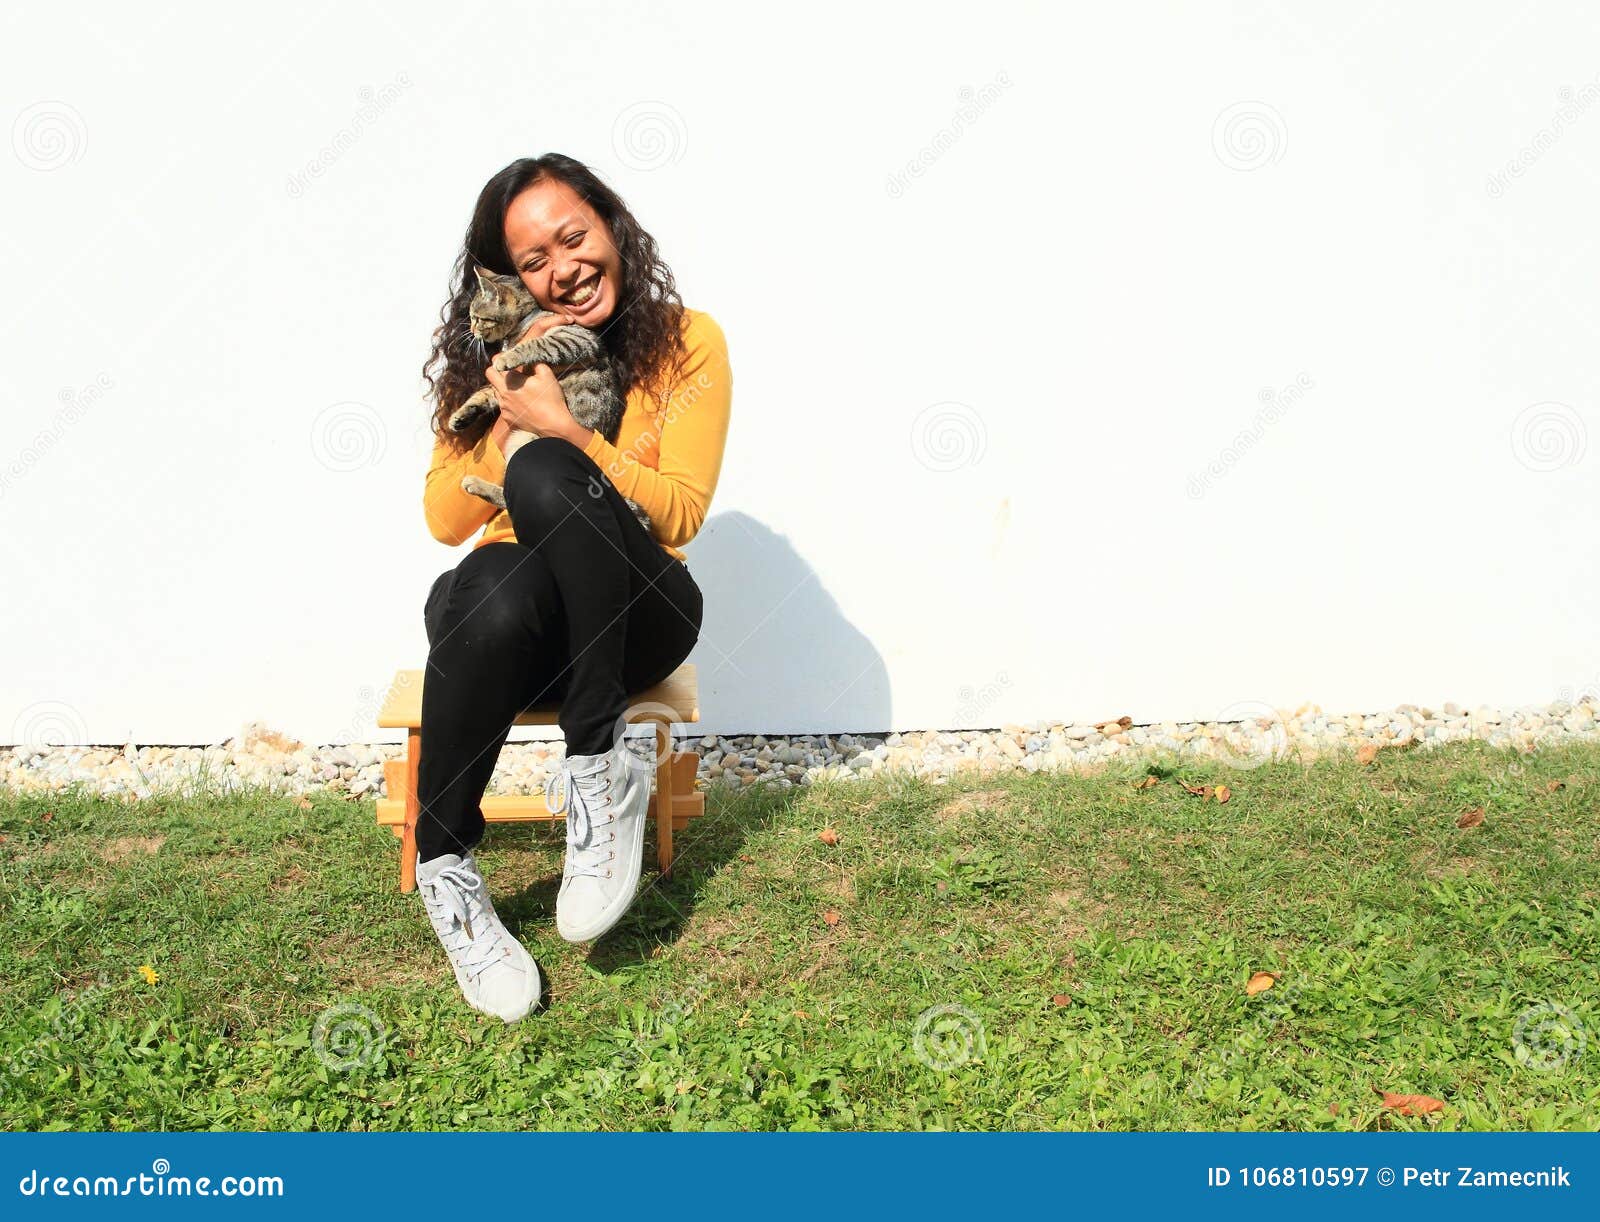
694	429
455	516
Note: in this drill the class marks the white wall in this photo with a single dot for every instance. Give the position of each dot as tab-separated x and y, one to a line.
1108	239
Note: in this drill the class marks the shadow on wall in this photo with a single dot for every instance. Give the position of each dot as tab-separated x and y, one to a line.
776	655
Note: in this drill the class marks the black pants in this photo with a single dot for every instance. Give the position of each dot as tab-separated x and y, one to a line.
584	608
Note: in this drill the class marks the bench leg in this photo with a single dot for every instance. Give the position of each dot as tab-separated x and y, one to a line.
408	837
663	801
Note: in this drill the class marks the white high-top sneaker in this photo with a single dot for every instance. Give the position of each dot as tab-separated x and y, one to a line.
496	973
605	798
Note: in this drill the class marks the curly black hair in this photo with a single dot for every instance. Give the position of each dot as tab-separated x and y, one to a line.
644	340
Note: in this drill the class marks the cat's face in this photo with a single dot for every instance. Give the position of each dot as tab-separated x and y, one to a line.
498	305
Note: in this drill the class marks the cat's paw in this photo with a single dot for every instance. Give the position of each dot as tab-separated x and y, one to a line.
639	513
469	413
495	494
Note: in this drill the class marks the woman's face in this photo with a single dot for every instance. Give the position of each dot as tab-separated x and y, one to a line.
563	251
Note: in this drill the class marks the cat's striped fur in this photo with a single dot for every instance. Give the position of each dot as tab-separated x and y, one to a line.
503	308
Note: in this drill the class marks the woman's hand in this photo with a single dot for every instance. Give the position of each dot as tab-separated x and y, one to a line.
531	401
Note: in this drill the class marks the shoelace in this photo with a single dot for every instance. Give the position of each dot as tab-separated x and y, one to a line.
473	935
574	790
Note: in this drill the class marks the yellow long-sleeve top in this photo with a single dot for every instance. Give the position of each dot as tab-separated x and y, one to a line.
667	456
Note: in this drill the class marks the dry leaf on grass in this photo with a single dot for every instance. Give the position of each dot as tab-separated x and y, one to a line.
1552	786
1471	818
303	802
1147	782
1260	982
1223	793
1061	999
831	917
1411	1105
1199	791
1366	753
828	836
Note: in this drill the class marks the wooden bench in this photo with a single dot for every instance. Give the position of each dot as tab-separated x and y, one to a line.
676	801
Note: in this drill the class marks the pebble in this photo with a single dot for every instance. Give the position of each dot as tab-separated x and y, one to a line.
268	760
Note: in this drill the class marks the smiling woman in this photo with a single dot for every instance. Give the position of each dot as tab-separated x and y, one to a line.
566	595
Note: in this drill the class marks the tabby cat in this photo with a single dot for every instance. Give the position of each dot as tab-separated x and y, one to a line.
503	308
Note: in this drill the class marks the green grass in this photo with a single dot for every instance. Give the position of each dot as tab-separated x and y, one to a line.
1090	943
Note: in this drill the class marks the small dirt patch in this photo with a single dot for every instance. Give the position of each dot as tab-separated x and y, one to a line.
124	847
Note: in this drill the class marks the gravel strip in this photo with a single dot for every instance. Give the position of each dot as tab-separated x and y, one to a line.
261	757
